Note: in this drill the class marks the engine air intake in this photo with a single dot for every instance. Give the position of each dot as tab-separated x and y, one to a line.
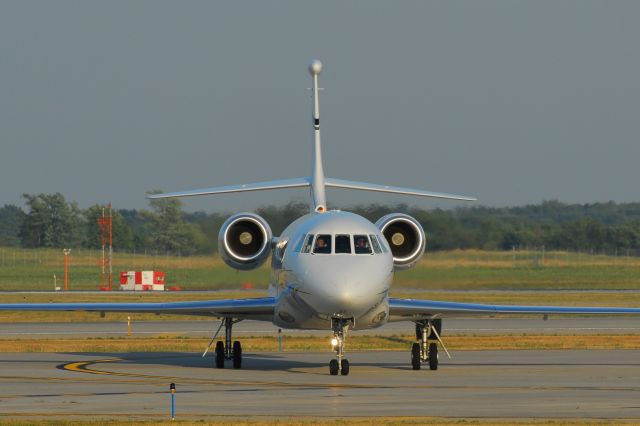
245	241
405	237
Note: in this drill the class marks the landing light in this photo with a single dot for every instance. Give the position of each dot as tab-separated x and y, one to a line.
334	342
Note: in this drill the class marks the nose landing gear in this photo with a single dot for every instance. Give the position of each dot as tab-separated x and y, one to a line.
340	364
426	349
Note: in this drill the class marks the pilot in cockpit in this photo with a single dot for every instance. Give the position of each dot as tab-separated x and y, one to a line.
362	245
321	245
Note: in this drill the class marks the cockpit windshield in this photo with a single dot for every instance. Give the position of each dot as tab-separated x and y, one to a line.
323	244
343	244
362	244
340	244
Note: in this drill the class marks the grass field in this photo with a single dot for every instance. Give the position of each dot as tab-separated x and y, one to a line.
324	421
33	270
296	343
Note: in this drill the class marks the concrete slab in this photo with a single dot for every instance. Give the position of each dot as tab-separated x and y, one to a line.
504	384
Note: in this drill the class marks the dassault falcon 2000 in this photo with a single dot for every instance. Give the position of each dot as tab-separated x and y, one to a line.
331	270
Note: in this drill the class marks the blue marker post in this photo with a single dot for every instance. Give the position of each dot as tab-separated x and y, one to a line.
172	387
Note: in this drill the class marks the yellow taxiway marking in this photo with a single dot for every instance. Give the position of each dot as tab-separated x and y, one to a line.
83	367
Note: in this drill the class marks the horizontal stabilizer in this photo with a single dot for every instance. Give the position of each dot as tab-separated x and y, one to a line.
257	186
348	184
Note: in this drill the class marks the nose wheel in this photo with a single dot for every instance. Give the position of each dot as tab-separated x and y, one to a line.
340	365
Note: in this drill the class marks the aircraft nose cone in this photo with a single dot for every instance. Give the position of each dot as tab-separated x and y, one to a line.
344	298
346	292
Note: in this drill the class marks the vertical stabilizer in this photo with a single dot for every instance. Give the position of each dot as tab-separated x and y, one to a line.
317	182
318	200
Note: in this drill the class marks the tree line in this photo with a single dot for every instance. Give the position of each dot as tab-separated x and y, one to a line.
49	220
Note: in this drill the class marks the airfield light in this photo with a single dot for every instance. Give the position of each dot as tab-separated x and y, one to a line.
172	389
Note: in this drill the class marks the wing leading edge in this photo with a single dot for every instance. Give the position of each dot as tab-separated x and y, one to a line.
256	308
414	309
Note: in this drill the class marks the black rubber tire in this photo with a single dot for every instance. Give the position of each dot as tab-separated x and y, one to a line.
219	354
237	354
333	367
415	356
433	356
344	370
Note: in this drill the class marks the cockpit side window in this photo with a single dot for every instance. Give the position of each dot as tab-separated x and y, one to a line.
300	243
308	243
323	244
343	244
375	244
362	244
383	244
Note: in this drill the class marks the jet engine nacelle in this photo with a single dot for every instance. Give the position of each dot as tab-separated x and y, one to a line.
405	237
245	241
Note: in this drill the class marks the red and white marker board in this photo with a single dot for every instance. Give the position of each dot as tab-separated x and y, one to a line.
142	280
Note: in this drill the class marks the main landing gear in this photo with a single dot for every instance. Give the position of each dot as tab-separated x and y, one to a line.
225	351
425	350
340	364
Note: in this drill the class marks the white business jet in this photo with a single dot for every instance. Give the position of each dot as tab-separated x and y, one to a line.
331	270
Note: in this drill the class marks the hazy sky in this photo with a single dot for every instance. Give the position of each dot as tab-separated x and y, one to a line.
511	101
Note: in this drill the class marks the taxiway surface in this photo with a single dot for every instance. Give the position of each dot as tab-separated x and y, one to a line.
492	384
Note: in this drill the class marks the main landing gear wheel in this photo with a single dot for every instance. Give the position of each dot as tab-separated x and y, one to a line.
219	354
225	350
425	350
333	367
433	356
344	367
237	355
415	356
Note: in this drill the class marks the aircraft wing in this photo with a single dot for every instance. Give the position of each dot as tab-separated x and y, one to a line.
256	308
414	309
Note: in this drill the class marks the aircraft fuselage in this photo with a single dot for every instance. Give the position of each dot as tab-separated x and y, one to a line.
348	278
